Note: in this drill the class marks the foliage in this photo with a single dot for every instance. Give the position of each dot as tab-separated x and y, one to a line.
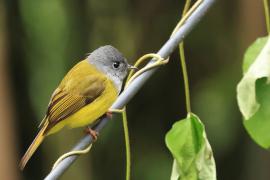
252	53
191	150
253	91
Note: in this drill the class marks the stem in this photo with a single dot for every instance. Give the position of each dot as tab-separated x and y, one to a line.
185	76
267	19
127	143
186	7
183	64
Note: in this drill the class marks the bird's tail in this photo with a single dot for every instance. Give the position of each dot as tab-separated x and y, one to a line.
33	147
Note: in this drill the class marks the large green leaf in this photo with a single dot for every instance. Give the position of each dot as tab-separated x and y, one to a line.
258	126
246	89
191	150
252	52
253	91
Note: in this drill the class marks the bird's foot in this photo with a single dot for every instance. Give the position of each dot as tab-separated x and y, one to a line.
92	133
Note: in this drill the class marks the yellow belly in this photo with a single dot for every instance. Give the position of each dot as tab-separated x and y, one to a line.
90	113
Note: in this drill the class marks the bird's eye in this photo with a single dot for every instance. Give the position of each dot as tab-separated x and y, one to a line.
116	64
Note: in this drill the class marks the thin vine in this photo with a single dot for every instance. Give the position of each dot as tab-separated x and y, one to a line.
158	61
183	63
267	19
127	144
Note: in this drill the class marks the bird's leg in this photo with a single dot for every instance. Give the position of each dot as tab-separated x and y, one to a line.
91	132
110	112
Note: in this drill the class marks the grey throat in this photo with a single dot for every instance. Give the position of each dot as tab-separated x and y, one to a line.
111	62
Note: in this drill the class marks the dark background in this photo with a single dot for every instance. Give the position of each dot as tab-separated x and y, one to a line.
41	40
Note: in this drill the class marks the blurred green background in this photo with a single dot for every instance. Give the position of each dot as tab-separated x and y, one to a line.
41	40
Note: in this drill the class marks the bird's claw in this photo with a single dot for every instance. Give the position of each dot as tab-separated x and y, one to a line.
92	133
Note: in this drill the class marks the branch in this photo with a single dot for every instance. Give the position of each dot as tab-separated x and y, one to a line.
135	85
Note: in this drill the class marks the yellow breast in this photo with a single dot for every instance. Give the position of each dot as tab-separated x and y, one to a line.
94	110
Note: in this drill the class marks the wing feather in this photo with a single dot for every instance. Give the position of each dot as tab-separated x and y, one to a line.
70	97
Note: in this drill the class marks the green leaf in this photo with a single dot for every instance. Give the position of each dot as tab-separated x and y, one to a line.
175	171
252	52
258	126
246	89
253	92
191	150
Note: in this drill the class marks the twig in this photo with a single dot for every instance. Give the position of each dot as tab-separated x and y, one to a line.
135	85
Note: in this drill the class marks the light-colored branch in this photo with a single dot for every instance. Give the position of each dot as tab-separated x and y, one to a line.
135	85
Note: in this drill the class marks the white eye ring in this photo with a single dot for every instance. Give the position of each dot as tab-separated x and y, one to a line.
116	64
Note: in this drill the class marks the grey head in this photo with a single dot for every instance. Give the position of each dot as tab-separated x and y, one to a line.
111	62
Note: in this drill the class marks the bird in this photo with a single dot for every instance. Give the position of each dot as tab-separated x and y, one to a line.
84	95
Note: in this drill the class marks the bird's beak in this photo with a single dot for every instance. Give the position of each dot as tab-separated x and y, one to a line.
130	67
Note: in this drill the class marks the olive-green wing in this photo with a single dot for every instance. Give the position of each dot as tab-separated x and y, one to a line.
70	98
